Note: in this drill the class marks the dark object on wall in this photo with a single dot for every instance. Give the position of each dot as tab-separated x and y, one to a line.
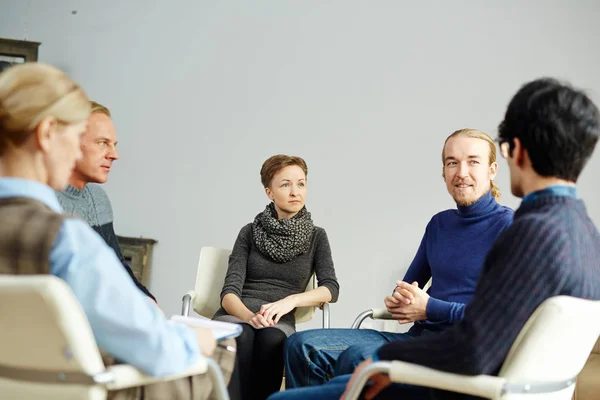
4	65
17	52
138	253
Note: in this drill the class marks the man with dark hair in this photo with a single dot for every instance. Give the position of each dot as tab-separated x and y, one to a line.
555	125
552	248
83	197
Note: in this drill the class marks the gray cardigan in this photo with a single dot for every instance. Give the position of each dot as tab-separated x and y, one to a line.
256	279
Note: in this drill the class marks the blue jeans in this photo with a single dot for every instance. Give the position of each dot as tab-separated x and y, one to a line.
335	387
314	357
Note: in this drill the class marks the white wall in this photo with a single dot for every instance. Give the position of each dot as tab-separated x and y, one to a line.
202	92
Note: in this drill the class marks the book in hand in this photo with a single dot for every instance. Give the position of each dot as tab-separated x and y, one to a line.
220	330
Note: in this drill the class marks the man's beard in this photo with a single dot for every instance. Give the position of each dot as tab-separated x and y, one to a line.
467	201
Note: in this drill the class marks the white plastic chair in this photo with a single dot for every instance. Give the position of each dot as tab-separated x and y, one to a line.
205	299
378	313
48	350
542	363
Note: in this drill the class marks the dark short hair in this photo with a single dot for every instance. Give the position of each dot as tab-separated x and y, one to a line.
557	124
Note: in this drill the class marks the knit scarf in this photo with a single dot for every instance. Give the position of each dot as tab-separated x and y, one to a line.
282	239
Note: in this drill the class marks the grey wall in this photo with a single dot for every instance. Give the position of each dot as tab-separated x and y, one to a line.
202	92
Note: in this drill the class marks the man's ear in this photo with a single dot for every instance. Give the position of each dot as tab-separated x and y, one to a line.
520	154
44	133
493	170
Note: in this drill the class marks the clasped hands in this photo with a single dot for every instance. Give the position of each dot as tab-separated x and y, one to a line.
408	303
269	314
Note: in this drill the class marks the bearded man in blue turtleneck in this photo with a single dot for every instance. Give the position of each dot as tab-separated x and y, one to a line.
451	253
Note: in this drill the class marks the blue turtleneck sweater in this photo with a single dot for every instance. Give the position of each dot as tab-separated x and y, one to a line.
452	252
551	249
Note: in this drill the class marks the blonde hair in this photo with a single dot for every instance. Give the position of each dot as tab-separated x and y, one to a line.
476	134
29	93
278	162
99	108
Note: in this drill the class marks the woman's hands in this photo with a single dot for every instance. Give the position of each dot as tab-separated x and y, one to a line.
270	314
258	321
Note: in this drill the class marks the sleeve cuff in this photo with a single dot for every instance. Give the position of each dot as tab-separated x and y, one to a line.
333	290
227	291
437	310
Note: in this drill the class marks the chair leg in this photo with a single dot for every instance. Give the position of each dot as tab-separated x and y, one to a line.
217	379
326	316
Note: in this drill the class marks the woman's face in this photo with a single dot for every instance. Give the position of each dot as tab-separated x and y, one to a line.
62	151
288	191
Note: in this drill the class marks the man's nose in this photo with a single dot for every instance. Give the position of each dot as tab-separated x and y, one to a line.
463	170
113	154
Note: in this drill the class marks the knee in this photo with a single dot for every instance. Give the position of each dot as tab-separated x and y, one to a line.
246	339
298	346
293	344
349	359
351	353
270	338
299	342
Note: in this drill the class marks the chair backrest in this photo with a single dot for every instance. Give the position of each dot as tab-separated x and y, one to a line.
553	345
304	314
210	275
44	329
428	284
212	268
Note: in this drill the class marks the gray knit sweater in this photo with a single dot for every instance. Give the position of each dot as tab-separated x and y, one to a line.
258	280
92	204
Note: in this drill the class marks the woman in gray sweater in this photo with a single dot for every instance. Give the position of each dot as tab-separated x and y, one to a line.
270	266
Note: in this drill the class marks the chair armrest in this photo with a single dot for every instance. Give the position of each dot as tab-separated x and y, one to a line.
373	313
123	376
187	301
413	374
381	313
480	385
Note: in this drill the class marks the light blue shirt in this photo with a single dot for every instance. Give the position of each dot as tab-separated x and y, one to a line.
123	320
553	190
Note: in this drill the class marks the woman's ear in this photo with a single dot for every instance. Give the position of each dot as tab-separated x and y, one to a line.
269	193
44	133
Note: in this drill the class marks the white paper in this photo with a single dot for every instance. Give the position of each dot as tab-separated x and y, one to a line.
221	330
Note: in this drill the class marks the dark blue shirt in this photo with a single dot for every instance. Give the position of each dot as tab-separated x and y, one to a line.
452	252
